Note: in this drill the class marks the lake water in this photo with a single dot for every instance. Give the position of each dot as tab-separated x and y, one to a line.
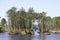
52	36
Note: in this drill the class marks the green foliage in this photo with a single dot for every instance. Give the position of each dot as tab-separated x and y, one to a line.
3	22
23	20
56	22
1	29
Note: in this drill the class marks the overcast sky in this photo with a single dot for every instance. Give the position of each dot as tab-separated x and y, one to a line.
51	7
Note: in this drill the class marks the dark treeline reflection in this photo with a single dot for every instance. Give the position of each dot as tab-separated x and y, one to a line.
27	37
20	37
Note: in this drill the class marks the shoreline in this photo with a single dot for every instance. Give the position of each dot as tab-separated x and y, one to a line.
54	31
26	31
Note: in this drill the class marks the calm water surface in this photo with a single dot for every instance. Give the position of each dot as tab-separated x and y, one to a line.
52	36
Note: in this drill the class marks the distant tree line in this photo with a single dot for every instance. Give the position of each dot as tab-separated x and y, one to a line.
22	19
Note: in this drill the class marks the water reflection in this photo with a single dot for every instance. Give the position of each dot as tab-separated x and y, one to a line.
38	37
16	37
28	37
20	37
5	36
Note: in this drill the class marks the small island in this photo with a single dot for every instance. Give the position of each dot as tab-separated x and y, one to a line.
25	22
